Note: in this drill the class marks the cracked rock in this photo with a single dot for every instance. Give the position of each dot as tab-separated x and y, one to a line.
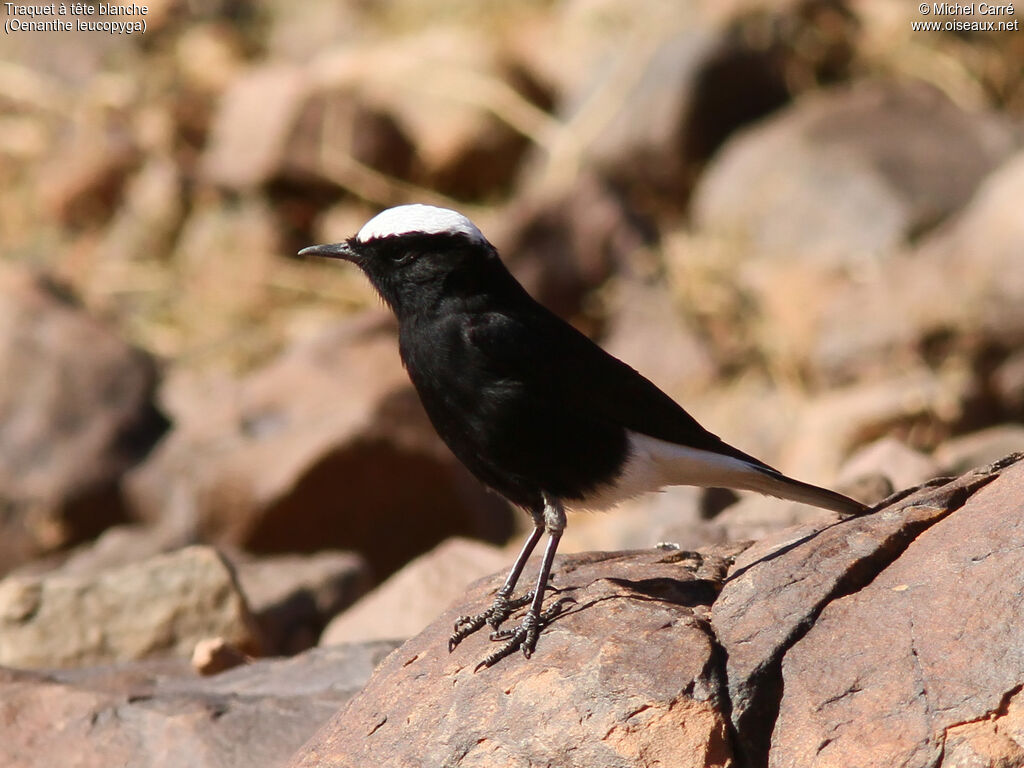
888	639
933	643
628	675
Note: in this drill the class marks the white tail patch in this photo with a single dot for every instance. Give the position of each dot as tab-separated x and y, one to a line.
655	464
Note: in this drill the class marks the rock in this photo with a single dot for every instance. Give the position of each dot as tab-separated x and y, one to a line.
76	412
819	179
778	587
563	245
160	607
624	677
160	714
902	466
254	121
982	447
274	124
983	288
293	597
1008	383
215	655
684	63
944	303
83	181
461	131
303	455
116	547
411	598
920	408
649	332
929	646
995	740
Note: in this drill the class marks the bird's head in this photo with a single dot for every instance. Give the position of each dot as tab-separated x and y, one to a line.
416	255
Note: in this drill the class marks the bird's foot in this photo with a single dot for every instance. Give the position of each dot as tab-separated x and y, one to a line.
524	636
500	609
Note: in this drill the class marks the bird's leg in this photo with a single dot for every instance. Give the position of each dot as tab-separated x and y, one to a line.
503	604
525	635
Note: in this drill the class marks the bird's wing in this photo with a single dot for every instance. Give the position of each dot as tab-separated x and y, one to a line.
554	362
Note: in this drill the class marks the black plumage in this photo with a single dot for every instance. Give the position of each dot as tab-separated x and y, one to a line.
530	405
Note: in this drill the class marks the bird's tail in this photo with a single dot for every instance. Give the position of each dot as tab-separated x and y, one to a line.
774	483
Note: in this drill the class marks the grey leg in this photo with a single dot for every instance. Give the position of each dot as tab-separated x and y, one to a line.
526	634
503	604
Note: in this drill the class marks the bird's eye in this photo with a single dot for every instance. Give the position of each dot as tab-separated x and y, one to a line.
402	257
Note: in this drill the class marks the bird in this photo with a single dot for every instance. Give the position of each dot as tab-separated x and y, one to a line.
535	409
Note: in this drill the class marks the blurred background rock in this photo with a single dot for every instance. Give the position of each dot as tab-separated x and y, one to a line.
801	219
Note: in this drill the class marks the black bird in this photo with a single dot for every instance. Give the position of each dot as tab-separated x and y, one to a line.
530	405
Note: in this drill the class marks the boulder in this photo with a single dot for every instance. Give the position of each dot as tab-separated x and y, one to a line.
899	464
928	649
76	412
728	655
156	608
411	598
293	597
628	675
848	174
160	713
981	447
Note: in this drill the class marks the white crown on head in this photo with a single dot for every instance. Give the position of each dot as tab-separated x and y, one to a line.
419	219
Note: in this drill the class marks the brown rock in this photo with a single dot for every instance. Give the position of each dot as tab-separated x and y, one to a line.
302	455
445	133
147	714
902	466
413	597
928	646
254	121
984	287
920	407
977	448
293	597
1008	382
647	330
685	62
160	607
850	172
83	181
947	301
215	655
996	740
624	677
563	245
76	411
777	588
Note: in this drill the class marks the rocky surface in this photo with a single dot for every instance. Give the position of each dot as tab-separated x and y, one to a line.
938	647
160	607
406	602
800	219
76	411
790	651
153	714
764	184
628	675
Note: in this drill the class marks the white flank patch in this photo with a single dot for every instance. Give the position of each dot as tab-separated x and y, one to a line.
655	464
419	219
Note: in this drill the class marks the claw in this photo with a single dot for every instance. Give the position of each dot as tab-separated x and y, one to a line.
500	609
525	636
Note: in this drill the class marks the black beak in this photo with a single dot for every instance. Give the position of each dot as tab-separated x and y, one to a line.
330	251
